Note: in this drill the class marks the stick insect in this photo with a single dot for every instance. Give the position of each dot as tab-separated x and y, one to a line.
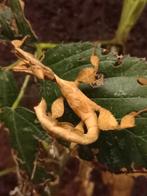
82	106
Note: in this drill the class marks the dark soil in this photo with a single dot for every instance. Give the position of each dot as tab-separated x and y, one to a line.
91	20
65	21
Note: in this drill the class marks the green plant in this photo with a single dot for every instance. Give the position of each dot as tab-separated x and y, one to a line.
121	94
131	11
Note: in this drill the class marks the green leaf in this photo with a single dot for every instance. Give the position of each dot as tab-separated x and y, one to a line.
8	89
6	17
120	94
23	25
24	129
13	23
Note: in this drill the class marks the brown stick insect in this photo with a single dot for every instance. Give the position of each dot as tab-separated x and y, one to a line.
82	106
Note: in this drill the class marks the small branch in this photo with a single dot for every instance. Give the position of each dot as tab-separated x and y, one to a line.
10	67
7	171
40	47
21	93
43	46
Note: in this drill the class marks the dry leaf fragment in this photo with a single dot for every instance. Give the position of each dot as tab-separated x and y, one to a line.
95	61
18	43
106	120
57	108
121	184
128	121
86	75
142	81
89	75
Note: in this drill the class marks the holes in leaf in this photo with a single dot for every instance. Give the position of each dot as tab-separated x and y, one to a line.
98	76
119	61
105	50
99	80
116	49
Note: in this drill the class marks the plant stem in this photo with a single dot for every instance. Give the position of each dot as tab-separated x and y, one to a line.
9	67
7	171
21	93
43	45
40	47
131	12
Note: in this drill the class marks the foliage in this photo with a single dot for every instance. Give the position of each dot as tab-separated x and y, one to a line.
121	93
13	23
8	88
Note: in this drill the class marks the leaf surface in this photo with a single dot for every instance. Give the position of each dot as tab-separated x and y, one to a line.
8	89
13	23
24	129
